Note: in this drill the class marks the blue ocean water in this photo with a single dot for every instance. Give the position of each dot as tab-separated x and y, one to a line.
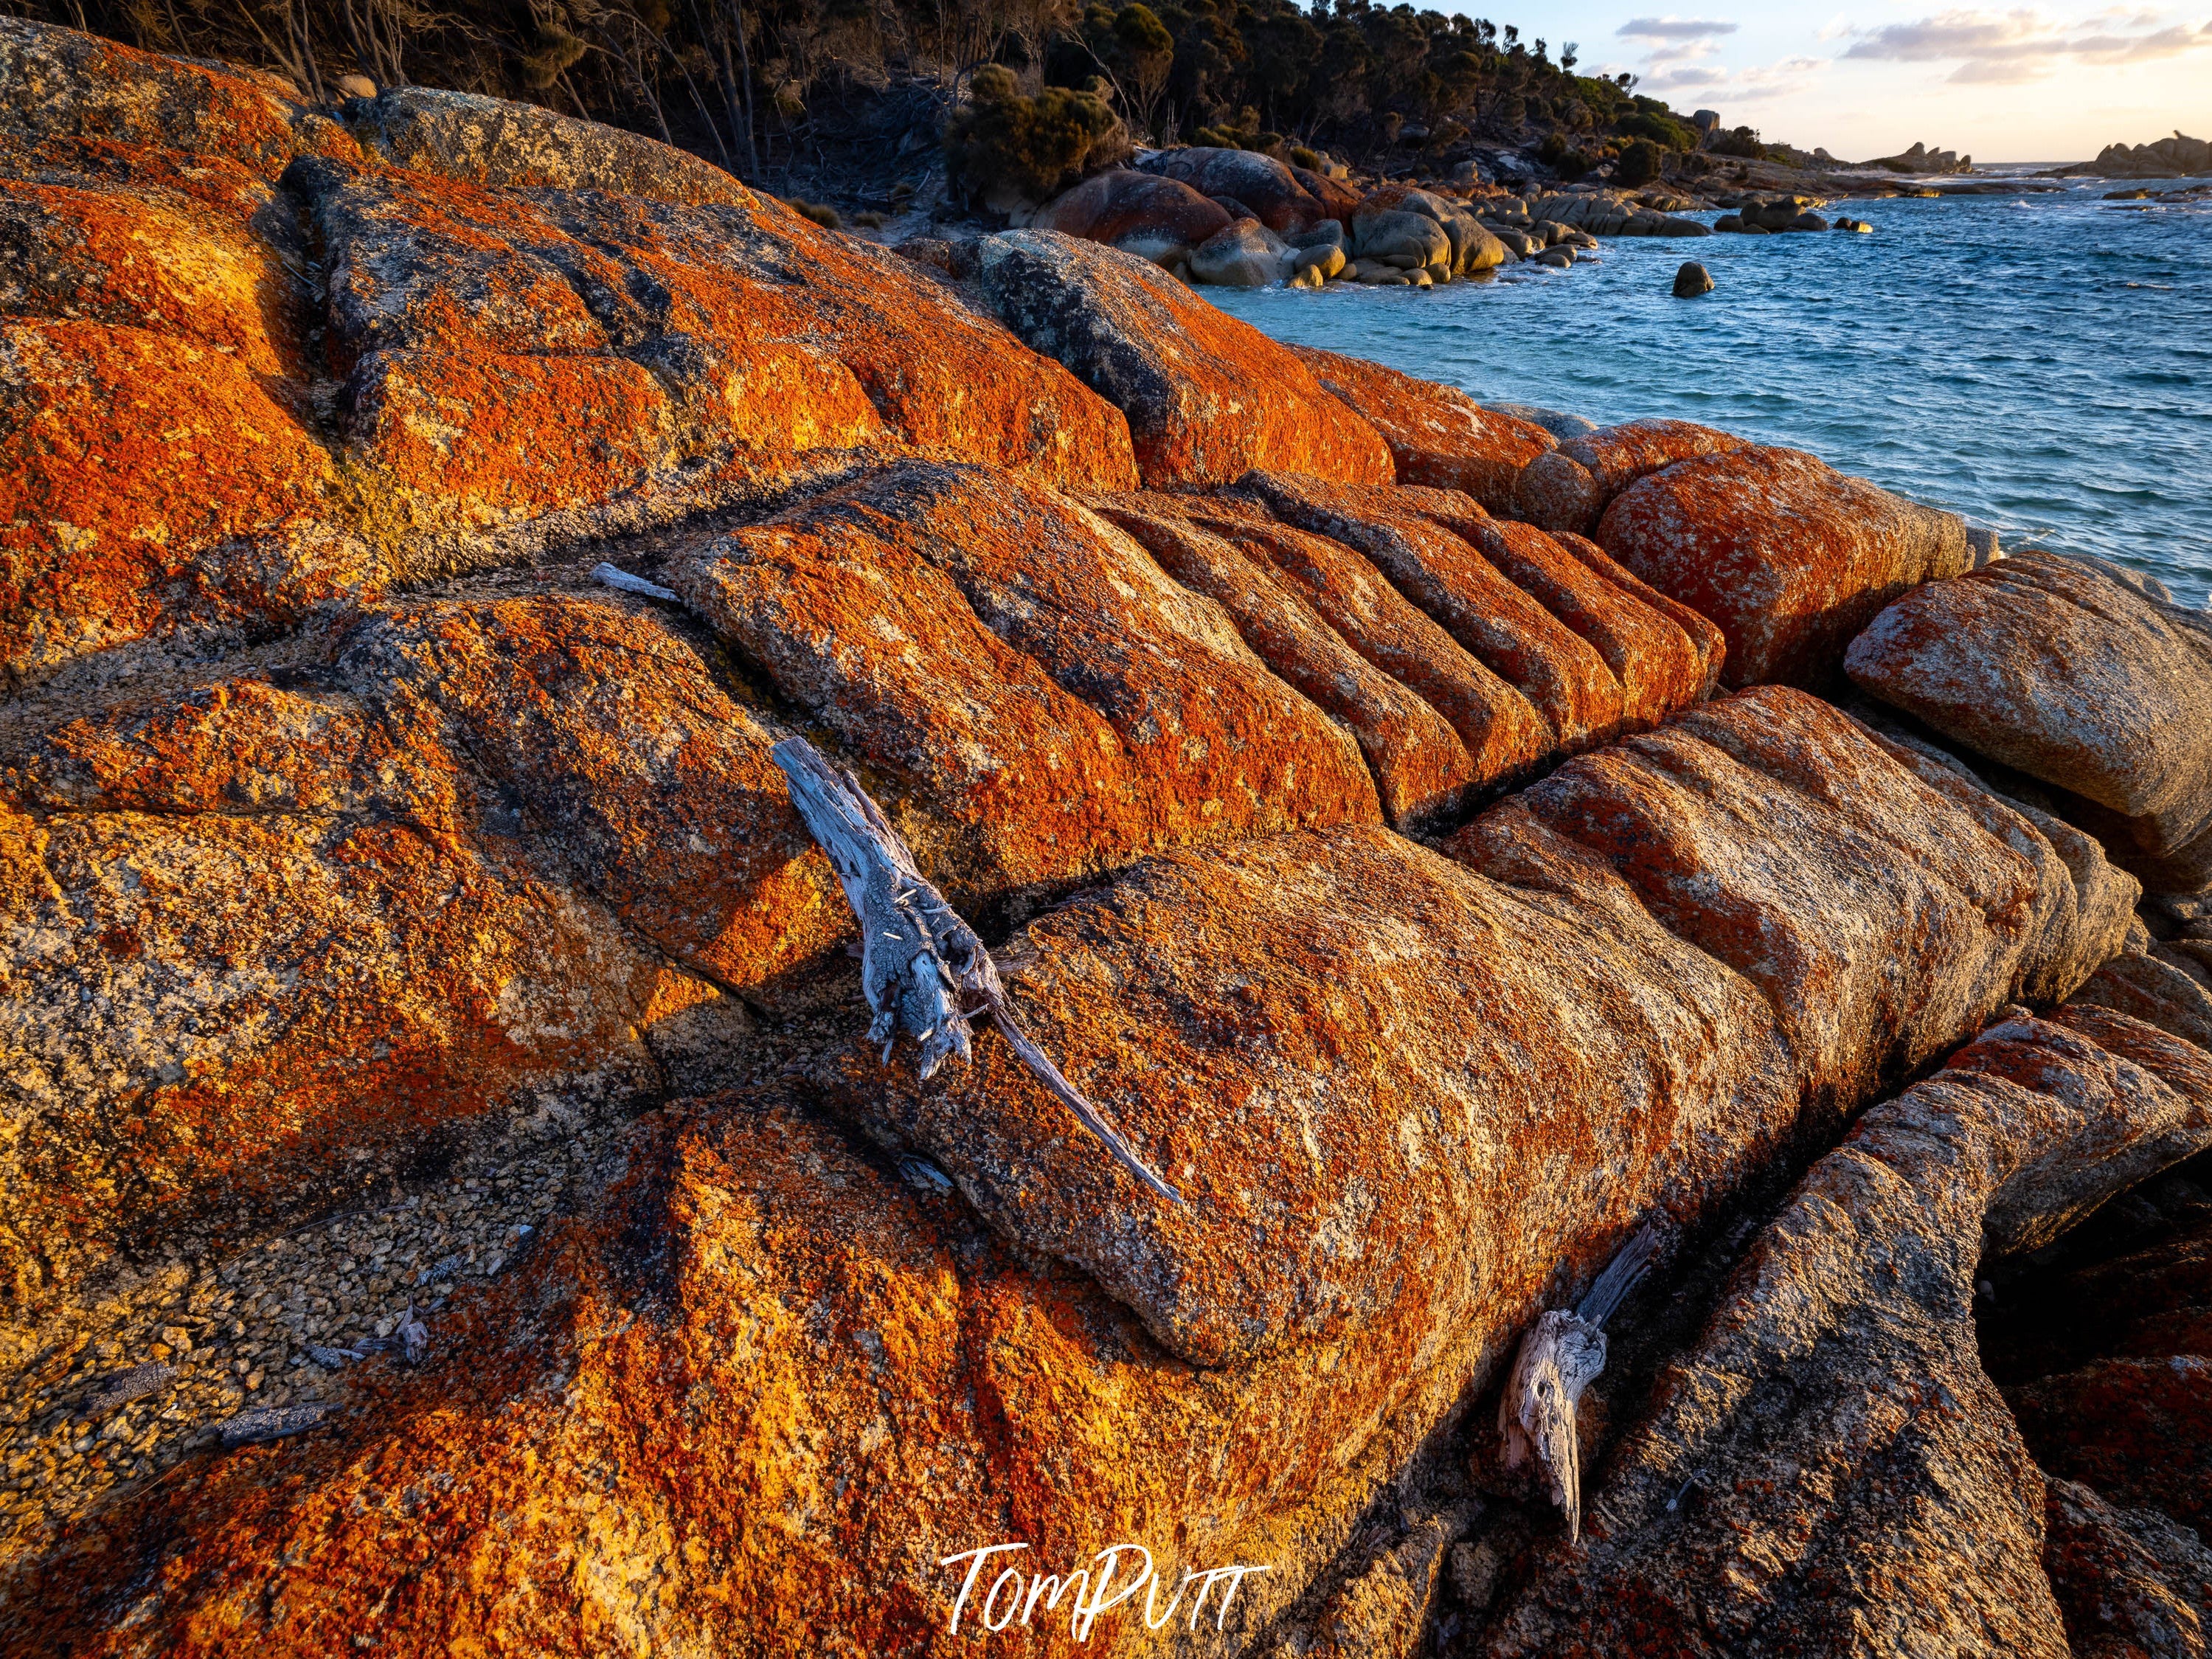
2041	363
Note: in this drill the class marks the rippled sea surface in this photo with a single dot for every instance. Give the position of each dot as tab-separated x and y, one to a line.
2041	363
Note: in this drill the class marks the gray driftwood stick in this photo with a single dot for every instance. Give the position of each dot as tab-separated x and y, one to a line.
613	577
1562	1354
922	969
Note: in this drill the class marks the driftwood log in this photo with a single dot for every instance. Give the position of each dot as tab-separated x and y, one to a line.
1562	1354
922	969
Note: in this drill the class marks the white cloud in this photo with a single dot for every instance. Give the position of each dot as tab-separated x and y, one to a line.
1686	79
1689	51
2009	48
1675	28
1759	83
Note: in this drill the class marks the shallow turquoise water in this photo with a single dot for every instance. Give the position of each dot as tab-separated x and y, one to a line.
2042	364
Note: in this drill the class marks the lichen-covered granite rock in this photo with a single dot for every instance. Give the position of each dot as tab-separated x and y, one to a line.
2102	1347
258	374
422	518
2046	664
2083	898
1505	737
1713	821
1642	840
490	141
768	1358
2127	1580
96	98
1569	485
1665	656
1828	1469
1791	557
1438	435
1207	398
720	341
292	933
1025	669
1422	771
1561	674
2138	1430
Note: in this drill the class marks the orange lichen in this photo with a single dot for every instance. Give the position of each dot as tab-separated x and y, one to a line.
126	457
1437	434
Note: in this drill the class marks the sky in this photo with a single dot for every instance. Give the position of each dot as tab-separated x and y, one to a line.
1870	78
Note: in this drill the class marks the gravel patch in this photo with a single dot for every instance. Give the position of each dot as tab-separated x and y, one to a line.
206	1352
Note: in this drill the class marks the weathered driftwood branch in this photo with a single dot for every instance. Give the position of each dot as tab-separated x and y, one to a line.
615	577
1560	1357
921	966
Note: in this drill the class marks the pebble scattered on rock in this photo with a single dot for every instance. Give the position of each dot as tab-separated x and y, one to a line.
254	1347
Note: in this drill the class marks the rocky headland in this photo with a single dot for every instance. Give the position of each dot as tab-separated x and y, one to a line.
456	1202
2177	157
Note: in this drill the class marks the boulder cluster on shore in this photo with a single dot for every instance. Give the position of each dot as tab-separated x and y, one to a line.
456	1202
1239	219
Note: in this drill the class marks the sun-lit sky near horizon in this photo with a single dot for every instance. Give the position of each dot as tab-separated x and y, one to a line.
1864	78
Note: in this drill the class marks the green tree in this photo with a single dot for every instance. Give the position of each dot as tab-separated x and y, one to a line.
1002	142
1640	163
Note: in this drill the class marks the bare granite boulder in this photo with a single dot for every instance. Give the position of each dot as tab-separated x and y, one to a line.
2051	667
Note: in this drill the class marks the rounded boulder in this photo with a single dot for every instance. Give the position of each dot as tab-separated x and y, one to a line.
1379	233
1154	218
1245	255
1692	281
1259	182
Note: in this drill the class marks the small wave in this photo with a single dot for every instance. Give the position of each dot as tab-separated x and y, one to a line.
2155	288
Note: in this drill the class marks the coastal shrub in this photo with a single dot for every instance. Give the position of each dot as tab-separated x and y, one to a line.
558	52
1563	156
821	213
1640	163
1237	131
1308	159
1660	130
1004	141
1742	141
